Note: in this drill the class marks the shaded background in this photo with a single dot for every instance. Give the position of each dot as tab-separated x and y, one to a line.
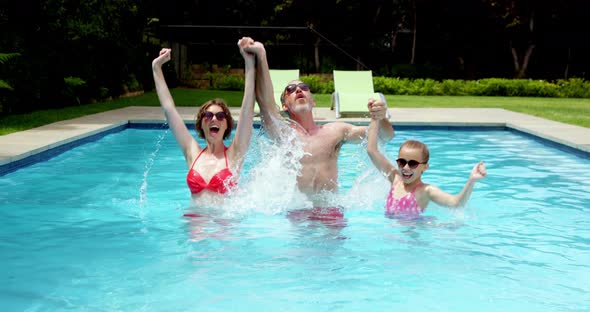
55	53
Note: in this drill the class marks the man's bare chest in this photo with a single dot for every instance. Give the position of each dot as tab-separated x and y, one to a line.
322	145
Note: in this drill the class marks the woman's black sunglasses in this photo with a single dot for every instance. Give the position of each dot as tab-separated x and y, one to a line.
219	115
292	87
412	163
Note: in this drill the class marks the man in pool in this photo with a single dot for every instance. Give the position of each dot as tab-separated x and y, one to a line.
321	142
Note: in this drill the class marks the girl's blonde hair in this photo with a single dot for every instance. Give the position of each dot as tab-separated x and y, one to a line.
417	145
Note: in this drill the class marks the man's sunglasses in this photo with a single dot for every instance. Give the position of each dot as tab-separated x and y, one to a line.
412	163
292	87
219	115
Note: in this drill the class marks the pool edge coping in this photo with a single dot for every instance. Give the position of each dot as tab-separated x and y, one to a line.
531	126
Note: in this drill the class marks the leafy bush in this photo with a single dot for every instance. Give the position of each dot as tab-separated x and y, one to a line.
319	84
454	87
5	58
131	84
425	87
539	88
573	88
491	87
387	85
103	92
73	90
515	87
484	87
225	81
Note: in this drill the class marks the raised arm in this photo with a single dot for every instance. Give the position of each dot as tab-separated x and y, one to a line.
271	118
378	159
378	111
241	141
185	140
445	199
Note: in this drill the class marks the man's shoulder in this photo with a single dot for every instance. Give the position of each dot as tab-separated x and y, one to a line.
338	130
338	125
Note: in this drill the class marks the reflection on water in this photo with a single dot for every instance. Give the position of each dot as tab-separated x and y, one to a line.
201	226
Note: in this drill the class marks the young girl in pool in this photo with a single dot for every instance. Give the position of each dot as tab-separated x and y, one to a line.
409	196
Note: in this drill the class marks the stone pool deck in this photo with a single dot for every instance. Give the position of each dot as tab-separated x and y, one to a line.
23	145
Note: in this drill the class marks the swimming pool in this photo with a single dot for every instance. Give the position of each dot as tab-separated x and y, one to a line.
100	227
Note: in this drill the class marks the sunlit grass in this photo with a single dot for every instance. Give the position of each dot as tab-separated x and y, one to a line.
571	111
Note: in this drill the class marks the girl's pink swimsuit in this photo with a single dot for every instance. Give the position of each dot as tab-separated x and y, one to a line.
406	206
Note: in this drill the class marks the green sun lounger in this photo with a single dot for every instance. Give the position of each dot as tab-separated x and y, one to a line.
280	78
352	91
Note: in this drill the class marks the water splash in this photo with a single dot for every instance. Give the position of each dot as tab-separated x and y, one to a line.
270	186
368	191
268	183
149	162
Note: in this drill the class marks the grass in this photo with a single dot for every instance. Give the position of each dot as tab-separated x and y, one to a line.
182	97
570	111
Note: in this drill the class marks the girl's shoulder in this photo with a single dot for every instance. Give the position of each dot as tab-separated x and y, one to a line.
428	189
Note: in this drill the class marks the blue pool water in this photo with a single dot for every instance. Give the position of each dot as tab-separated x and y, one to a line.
100	228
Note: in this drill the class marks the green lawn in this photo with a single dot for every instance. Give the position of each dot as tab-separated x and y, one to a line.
571	111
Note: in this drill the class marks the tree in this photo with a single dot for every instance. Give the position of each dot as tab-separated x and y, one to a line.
66	41
518	20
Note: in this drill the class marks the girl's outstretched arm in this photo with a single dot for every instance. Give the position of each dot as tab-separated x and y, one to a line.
445	199
377	110
185	140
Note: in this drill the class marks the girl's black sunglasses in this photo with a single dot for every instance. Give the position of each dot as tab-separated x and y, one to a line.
412	163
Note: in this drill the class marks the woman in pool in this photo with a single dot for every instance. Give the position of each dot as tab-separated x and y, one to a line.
408	196
214	168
